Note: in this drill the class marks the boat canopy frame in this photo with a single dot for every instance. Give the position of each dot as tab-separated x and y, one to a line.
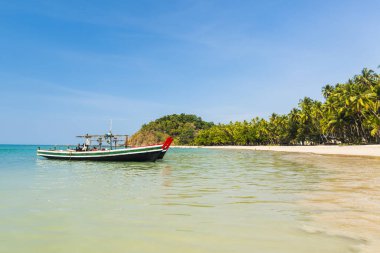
110	138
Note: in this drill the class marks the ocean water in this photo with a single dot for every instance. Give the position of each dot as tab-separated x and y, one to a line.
195	200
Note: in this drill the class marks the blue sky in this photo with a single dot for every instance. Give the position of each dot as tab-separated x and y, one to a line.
67	67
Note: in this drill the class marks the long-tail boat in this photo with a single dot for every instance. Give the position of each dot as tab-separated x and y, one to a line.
111	153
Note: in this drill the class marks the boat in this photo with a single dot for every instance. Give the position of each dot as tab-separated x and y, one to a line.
113	152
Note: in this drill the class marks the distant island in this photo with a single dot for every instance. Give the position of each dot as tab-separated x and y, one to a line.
350	114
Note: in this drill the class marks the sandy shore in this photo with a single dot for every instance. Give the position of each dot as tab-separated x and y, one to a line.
353	150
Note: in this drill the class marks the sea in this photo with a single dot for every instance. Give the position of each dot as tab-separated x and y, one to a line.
195	200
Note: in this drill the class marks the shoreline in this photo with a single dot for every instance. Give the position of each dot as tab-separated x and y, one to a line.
350	150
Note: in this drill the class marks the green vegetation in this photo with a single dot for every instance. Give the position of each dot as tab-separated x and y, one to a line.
182	127
350	114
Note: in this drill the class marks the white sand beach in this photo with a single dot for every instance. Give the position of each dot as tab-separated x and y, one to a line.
352	150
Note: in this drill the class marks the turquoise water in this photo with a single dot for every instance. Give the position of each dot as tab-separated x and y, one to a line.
196	200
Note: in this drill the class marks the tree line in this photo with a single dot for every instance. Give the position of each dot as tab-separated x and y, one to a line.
350	113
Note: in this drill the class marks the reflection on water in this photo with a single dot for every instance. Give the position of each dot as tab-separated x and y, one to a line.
195	200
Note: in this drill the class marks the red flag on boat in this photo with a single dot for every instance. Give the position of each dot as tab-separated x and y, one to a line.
167	143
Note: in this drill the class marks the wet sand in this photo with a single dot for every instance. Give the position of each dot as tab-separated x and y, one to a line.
345	197
346	200
352	150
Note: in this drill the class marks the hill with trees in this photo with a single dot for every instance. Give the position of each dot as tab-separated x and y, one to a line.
182	127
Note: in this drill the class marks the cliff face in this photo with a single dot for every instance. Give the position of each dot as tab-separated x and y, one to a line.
182	127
